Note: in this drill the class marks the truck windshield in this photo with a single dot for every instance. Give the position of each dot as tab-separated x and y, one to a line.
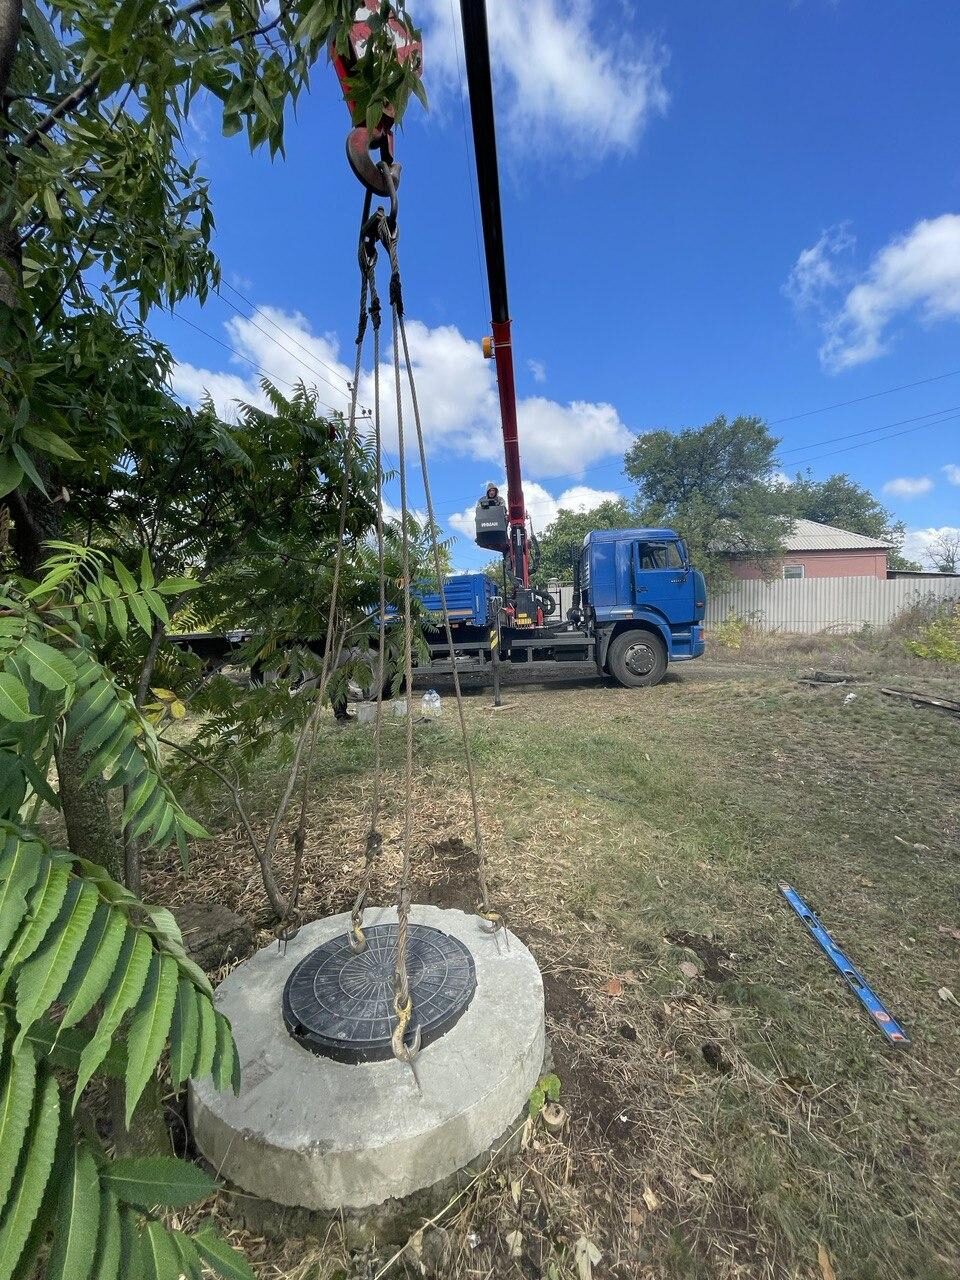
660	555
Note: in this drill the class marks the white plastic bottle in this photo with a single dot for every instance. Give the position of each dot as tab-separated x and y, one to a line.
430	706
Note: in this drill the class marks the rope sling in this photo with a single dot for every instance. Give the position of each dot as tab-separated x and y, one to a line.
381	229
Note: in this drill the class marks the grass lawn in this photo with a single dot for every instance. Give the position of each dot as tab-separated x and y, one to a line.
733	1111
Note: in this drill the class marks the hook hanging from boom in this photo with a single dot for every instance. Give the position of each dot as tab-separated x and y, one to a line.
369	149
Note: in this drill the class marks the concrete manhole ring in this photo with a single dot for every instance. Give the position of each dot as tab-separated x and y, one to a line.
310	1131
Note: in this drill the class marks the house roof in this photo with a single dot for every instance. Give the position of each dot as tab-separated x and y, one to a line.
808	535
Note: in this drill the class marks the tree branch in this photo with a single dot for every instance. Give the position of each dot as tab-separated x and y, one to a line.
78	96
276	898
10	11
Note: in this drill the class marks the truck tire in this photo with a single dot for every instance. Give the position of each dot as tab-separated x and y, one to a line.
637	659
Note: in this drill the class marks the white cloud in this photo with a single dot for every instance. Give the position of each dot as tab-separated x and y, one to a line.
917	544
816	272
915	274
456	390
908	486
542	505
538	369
952	472
563	84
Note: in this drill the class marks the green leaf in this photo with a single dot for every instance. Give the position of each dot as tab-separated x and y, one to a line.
52	669
16	1100
31	471
157	607
50	442
46	899
125	987
151	1024
221	1258
35	1164
14	700
224	1074
39	782
106	1265
103	729
195	974
160	1255
41	978
190	1263
164	923
13	784
20	866
51	204
124	577
550	1084
139	795
152	813
94	965
131	1244
93	704
77	1219
148	1181
207	1039
176	586
118	616
142	614
11	475
184	1033
60	1046
146	569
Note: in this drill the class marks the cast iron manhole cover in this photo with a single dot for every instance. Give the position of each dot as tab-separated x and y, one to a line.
341	1005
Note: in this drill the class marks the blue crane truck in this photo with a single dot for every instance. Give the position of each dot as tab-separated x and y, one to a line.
638	605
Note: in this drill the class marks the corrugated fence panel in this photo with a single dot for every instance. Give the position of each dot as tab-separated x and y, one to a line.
826	604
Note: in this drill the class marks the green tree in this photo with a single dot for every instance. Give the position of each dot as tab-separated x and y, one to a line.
562	540
840	501
714	485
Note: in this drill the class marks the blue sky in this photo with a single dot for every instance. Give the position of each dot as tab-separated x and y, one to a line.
709	207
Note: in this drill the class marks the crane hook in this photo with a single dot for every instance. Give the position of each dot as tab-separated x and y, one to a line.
401	1050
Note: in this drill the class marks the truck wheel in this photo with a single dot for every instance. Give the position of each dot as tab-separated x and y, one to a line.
637	659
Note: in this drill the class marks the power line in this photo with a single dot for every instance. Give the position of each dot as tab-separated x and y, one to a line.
842	404
240	355
815	444
269	319
345	392
952	416
866	443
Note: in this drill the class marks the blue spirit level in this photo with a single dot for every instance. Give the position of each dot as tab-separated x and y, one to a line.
851	976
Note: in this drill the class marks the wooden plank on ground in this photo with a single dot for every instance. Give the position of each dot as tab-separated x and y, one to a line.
944	703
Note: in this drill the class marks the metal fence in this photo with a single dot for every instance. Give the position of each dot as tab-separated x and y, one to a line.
827	604
813	604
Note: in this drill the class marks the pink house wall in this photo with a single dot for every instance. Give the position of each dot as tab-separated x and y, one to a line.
823	564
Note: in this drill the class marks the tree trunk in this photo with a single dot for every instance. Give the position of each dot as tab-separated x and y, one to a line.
90	831
132	843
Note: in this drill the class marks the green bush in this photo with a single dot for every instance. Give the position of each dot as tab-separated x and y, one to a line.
730	633
939	639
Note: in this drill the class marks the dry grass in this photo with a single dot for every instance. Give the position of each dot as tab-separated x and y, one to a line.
730	1117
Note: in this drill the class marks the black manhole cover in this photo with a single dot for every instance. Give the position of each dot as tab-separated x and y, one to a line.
341	1005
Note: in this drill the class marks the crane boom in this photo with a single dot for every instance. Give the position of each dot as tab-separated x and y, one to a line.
514	541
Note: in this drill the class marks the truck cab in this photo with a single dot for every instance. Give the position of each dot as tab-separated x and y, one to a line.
638	592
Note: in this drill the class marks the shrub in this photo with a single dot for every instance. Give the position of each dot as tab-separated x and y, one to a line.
939	639
730	633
